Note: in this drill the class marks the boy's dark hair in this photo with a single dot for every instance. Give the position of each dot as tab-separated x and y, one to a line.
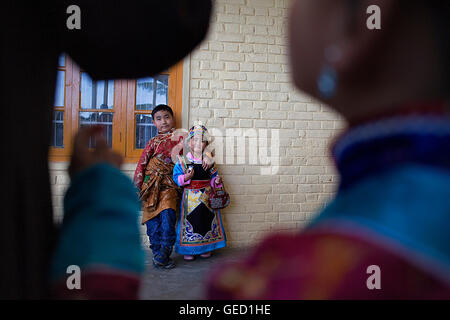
161	107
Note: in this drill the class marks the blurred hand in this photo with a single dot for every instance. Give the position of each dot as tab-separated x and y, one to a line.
218	180
83	157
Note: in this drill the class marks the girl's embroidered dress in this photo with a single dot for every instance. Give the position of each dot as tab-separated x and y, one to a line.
199	229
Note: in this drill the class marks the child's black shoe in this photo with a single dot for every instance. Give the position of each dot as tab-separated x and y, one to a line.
169	264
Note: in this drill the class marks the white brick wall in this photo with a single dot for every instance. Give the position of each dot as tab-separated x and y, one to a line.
239	78
59	182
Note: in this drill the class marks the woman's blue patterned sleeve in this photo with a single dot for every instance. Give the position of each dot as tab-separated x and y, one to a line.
100	225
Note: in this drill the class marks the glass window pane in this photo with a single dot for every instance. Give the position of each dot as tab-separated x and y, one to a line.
162	89
96	94
58	130
59	89
62	60
151	91
145	130
144	94
104	119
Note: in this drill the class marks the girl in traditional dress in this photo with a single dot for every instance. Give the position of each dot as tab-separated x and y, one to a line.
199	229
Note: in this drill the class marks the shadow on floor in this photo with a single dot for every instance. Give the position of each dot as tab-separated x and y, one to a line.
187	280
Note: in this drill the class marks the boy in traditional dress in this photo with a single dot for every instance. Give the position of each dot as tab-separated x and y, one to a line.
158	192
199	229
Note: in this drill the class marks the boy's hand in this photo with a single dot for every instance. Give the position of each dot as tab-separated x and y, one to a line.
83	158
178	148
189	174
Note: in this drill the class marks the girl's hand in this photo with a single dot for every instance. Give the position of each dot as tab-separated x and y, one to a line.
189	174
83	157
218	180
207	162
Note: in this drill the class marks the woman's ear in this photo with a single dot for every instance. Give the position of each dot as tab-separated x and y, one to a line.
364	31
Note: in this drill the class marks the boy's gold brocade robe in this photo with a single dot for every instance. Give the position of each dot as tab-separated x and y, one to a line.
153	176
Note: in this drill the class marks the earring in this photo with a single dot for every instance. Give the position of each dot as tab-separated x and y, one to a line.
328	79
327	82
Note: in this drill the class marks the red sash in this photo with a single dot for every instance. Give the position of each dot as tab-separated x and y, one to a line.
198	184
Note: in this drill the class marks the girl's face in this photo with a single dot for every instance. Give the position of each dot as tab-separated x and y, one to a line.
163	121
197	144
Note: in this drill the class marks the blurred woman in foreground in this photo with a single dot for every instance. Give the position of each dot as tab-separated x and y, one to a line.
385	234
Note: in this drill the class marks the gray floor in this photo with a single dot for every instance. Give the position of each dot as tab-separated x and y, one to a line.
186	280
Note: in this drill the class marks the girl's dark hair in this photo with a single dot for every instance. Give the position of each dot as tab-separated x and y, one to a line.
161	107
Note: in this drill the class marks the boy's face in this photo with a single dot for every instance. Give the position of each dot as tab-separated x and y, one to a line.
163	121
